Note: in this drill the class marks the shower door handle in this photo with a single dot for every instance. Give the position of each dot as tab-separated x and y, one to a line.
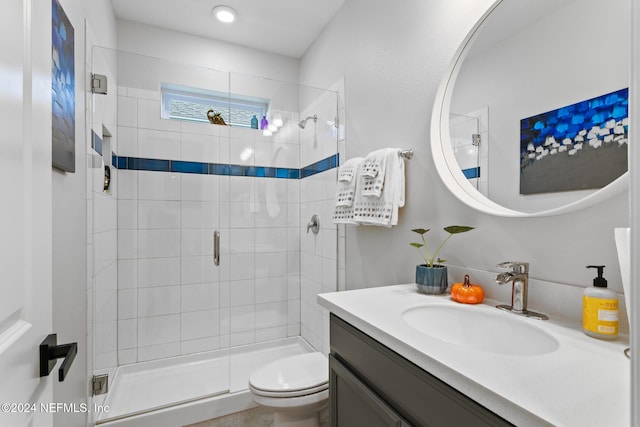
216	247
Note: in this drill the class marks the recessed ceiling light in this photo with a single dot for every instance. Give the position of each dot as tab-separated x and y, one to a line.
224	14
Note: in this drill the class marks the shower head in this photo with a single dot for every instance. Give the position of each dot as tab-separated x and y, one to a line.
303	123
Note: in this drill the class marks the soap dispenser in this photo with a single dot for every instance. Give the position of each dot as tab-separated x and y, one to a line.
600	309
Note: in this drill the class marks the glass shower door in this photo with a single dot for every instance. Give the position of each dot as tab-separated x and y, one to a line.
155	283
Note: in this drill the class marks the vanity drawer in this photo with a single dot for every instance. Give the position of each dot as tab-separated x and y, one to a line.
416	395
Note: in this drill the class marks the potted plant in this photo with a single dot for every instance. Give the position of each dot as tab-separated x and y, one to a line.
431	277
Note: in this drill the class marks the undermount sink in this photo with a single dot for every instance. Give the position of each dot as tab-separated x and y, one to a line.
479	329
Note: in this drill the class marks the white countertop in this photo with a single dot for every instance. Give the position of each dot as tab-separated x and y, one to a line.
585	382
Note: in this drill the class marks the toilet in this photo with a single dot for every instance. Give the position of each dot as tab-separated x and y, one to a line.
295	388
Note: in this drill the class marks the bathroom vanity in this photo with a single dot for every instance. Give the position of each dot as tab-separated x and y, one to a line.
374	386
386	370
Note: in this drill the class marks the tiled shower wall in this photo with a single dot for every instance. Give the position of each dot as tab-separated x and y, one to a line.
172	300
319	271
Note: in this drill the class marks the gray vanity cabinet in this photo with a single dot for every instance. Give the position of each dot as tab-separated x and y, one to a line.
370	385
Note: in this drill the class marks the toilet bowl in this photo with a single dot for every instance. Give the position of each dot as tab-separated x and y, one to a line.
296	388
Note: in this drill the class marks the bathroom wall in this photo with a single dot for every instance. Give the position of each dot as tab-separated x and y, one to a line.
188	49
393	65
72	245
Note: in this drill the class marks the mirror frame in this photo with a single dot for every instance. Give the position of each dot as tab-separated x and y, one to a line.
447	166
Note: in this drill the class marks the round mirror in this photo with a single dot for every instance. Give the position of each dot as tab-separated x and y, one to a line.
532	117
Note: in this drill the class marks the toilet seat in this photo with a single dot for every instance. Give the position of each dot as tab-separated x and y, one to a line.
291	376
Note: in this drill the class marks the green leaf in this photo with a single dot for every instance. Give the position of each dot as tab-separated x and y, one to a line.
440	260
416	245
420	231
455	229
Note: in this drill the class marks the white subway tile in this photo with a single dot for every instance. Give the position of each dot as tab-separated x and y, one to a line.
293	311
127	244
159	243
197	242
127	334
105	213
241	266
200	214
241	292
106	306
127	142
127	111
199	345
198	187
127	214
268	334
149	117
158	272
271	314
271	289
293	330
158	185
271	264
241	319
127	185
200	324
241	338
241	241
127	357
199	148
157	301
270	240
241	215
106	336
152	95
106	280
157	144
271	215
158	330
199	128
161	351
127	274
242	188
293	286
158	214
198	269
202	296
127	304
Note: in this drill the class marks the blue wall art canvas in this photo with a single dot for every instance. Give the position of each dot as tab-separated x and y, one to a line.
578	147
63	94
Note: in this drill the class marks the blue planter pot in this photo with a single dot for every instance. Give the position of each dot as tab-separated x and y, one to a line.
432	281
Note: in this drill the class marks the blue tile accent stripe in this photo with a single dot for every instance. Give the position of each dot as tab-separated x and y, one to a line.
471	172
180	166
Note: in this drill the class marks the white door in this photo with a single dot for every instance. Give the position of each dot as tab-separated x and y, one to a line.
25	213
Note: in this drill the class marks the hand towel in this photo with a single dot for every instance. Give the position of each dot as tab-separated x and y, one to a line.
346	191
383	210
373	164
373	171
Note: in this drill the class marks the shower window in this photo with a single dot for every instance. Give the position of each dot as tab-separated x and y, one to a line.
188	103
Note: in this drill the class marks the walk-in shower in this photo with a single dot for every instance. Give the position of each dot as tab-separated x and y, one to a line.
303	123
163	317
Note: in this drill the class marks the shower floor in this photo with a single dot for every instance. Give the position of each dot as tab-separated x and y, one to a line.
159	390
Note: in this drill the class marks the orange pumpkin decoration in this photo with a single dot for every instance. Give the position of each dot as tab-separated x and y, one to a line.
467	292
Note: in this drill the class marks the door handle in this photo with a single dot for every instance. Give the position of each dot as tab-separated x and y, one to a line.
50	352
216	248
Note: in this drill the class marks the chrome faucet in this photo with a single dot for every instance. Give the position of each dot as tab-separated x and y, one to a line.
518	274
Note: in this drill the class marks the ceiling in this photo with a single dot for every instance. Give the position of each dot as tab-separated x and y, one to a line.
285	27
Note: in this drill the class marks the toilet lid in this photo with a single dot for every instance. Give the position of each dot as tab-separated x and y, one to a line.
301	374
